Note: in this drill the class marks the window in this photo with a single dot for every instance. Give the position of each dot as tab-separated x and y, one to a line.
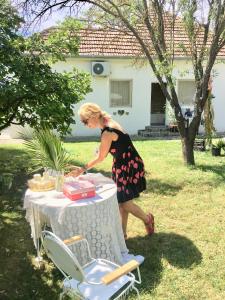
186	92
120	93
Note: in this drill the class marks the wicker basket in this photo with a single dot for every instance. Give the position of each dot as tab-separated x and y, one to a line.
41	186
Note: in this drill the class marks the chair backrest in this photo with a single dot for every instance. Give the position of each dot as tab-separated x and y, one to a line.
62	256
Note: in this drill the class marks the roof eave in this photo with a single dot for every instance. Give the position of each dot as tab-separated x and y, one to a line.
129	57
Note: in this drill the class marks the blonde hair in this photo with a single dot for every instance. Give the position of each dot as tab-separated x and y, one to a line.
89	110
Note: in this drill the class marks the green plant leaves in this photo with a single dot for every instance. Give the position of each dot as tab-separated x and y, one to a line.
47	151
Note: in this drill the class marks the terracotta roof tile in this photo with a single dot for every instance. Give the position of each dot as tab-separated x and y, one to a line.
113	43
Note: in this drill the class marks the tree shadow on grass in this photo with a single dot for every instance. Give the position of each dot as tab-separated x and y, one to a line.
19	279
162	188
219	170
13	160
177	250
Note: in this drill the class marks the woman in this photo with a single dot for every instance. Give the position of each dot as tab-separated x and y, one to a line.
128	168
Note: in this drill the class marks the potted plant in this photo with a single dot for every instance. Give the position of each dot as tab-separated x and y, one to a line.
47	151
217	145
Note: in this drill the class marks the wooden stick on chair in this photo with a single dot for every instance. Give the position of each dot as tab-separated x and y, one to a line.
73	239
128	267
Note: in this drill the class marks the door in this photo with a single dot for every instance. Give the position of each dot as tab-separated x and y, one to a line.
158	105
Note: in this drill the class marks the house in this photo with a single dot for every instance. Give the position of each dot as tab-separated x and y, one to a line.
129	91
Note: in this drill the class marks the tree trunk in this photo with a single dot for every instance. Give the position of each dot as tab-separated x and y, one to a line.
188	132
188	150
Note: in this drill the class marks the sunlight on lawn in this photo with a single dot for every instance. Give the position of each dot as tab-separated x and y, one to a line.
184	259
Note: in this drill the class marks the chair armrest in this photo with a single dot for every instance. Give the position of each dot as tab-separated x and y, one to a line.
128	267
73	239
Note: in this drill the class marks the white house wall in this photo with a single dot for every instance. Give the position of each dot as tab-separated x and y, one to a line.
139	113
142	77
219	100
181	72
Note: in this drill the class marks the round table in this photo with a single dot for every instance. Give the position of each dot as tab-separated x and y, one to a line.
96	218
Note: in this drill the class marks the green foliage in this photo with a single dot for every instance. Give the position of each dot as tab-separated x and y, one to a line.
30	91
219	143
10	24
189	9
61	41
131	10
163	68
47	151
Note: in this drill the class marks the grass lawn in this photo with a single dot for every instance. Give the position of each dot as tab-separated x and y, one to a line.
184	259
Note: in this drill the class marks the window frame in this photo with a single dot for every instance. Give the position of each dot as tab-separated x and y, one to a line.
184	80
130	92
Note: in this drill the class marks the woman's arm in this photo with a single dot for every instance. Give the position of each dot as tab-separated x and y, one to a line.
106	140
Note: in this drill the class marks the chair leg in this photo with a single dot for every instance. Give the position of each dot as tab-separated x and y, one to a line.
136	290
62	294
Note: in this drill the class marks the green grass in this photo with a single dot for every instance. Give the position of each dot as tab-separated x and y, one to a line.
183	260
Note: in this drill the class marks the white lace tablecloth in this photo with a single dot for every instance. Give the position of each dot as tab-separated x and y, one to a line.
97	219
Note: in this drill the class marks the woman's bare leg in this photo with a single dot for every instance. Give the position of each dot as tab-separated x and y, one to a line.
134	209
124	219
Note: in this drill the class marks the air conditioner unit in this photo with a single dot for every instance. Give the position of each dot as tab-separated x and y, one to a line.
100	68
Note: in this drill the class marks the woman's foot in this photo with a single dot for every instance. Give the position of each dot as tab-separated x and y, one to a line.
150	226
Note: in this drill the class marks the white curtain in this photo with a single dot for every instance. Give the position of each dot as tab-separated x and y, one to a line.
120	93
186	91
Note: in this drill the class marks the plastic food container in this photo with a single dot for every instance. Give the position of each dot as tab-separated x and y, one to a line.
80	189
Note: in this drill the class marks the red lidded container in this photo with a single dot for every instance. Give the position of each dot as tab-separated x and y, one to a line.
76	190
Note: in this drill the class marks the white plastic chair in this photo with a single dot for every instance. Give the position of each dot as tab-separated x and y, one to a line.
99	279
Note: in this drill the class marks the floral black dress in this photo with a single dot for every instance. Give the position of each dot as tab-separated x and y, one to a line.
128	169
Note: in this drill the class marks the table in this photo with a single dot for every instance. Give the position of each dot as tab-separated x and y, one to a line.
97	219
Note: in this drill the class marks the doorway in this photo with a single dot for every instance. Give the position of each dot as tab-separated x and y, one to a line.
158	105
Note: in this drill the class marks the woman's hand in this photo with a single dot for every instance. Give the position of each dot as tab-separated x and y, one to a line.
76	171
